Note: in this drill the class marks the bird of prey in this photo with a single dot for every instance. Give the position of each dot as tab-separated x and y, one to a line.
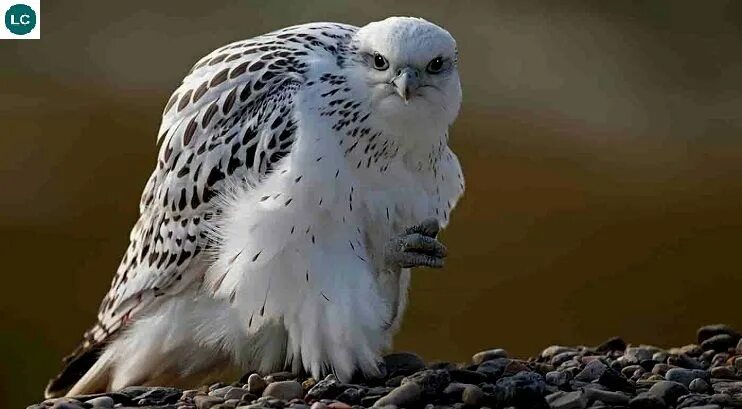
301	174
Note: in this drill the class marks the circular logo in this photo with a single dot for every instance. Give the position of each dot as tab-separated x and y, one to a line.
20	19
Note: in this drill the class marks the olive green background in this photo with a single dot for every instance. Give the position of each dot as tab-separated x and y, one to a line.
601	142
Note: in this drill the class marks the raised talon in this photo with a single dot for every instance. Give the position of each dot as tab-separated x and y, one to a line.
417	246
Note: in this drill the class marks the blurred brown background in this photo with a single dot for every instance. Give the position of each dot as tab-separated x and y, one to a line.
601	143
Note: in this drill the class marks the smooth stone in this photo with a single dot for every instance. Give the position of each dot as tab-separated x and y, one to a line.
325	389
691	350
699	385
719	343
318	405
482	356
239	393
660	356
514	366
612	344
739	347
472	395
668	391
449	366
563	357
703	407
646	401
719	359
256	384
467	376
609	397
638	354
159	397
454	390
524	389
558	378
567	400
494	368
190	394
280	376
685	376
709	331
206	401
431	381
101	402
67	404
285	390
628	371
600	372
553	350
661	369
405	395
737	363
684	361
723	372
350	396
402	363
339	405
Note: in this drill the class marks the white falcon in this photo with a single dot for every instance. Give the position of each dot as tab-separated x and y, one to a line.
301	174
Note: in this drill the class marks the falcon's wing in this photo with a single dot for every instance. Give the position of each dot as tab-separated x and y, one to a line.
231	118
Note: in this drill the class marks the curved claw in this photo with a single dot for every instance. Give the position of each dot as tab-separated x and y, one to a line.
417	247
429	227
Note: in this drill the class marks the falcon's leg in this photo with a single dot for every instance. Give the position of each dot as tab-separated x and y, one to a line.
416	247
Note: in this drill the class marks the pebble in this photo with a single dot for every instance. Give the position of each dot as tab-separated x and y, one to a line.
101	402
559	379
723	372
206	401
567	400
325	389
524	389
67	403
472	395
482	356
494	368
607	397
685	376
709	331
699	385
351	396
403	396
431	381
285	390
719	342
549	352
256	384
704	375
467	376
402	363
612	344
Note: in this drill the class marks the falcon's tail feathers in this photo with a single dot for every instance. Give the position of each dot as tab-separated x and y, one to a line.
85	371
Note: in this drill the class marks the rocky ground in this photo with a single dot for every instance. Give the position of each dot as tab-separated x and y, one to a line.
703	375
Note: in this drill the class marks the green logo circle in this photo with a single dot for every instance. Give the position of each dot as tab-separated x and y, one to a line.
20	19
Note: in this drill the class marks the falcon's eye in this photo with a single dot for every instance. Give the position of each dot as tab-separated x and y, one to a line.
435	65
380	63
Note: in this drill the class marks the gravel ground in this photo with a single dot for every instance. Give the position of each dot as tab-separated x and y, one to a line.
703	375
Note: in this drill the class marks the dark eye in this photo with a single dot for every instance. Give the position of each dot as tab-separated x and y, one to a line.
380	63
435	65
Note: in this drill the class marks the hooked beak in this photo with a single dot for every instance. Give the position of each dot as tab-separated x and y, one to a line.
406	83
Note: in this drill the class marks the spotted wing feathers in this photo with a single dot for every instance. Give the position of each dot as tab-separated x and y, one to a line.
231	119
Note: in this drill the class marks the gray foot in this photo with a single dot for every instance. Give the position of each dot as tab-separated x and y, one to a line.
417	247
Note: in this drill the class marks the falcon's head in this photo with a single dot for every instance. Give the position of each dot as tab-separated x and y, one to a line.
411	69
